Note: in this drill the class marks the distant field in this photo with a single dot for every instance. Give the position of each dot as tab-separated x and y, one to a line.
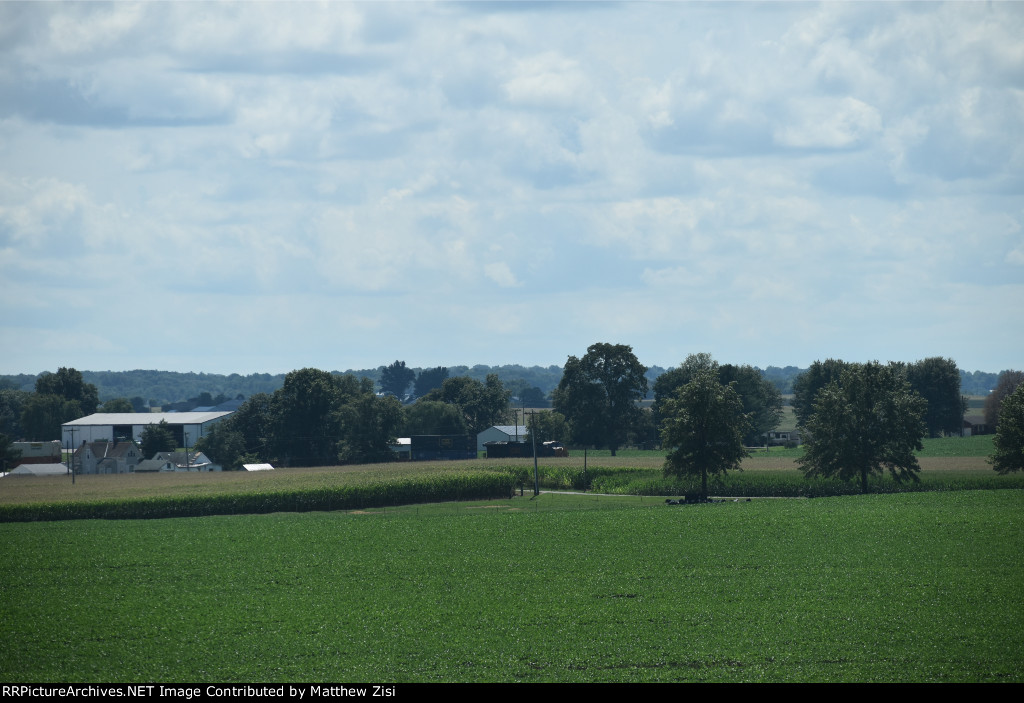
919	587
948	456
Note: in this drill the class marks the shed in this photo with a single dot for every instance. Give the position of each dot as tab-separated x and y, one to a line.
501	433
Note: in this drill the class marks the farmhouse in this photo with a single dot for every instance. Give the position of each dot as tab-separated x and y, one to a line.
109	427
107	457
187	461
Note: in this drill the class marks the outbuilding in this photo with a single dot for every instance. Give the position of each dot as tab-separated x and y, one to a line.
111	427
501	433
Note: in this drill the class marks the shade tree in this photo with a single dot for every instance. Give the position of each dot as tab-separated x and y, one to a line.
703	427
598	395
864	423
1009	439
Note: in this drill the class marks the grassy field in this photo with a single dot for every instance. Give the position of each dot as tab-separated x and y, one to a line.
963	457
915	587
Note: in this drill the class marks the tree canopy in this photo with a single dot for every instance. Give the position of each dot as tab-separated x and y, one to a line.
68	384
43	414
762	402
118	405
1009	439
426	417
396	378
807	385
9	456
368	426
429	379
1006	384
157	438
704	425
306	431
598	395
866	421
481	404
548	426
937	380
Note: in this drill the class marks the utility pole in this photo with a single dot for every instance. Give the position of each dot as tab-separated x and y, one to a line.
71	456
533	436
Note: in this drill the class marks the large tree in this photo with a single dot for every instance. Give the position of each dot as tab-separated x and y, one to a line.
429	379
704	427
598	394
11	404
225	446
157	438
43	414
426	417
396	378
306	430
69	385
1009	439
938	382
807	385
369	425
1005	386
762	402
867	421
548	425
9	456
482	404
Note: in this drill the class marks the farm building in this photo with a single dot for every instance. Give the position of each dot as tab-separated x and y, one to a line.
38	452
783	437
441	446
108	427
38	470
501	433
187	461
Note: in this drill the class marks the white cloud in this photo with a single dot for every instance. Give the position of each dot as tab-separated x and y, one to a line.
829	123
500	273
663	171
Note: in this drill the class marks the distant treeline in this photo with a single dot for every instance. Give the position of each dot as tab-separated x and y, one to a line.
159	388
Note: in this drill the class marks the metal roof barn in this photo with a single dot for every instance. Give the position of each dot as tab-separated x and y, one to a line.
99	427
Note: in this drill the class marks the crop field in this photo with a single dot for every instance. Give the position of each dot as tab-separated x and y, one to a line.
941	458
909	587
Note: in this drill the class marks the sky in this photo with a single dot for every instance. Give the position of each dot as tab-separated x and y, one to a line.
261	187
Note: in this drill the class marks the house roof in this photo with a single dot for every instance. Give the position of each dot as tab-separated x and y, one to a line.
181	459
153	465
100	419
39	470
509	429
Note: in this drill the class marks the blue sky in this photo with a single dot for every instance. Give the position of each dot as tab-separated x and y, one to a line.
259	187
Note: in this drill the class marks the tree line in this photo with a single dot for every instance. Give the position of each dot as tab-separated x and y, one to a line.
858	419
318	418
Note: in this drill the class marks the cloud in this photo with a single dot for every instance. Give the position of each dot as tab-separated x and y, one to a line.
500	273
664	172
829	123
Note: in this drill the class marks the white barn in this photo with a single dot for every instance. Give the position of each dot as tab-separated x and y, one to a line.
100	427
500	433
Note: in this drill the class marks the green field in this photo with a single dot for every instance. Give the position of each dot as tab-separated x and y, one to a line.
917	587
